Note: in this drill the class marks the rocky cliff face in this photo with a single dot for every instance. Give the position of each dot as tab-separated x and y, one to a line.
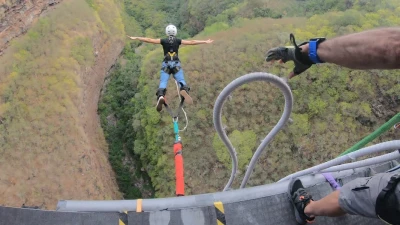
67	158
16	16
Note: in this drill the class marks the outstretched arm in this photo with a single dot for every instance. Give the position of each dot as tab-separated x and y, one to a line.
196	42
147	40
372	49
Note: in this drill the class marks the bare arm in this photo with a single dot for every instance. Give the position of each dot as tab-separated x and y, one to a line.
373	49
147	40
327	206
196	42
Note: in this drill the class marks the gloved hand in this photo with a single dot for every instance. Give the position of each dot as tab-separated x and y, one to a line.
291	53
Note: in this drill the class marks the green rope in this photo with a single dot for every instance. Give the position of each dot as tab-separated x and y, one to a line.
385	127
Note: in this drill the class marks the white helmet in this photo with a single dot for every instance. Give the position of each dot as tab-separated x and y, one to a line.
171	30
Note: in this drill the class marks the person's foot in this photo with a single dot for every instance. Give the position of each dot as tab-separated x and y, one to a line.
160	98
160	103
299	199
184	92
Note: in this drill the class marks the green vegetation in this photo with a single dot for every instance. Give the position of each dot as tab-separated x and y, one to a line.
313	7
331	102
141	18
193	16
45	72
116	108
244	142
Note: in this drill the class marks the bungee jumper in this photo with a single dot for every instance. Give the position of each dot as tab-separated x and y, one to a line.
171	63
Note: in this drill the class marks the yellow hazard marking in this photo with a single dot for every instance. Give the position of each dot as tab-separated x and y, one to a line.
220	213
219	206
139	205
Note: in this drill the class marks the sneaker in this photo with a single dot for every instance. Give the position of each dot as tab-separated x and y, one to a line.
160	103
184	92
186	96
300	199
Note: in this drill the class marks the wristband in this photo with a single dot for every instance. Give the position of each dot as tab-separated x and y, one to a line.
312	49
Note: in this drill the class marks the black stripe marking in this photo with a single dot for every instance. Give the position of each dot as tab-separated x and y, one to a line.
220	216
124	218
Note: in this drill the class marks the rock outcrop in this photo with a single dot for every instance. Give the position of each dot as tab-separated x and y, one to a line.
17	16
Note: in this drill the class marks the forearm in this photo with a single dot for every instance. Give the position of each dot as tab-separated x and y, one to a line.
327	206
144	39
373	49
198	42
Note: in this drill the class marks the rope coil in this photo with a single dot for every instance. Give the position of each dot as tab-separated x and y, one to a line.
217	116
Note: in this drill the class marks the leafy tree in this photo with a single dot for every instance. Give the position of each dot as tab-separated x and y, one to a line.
244	143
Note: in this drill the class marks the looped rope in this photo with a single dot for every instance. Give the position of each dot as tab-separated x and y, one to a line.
226	92
175	115
183	110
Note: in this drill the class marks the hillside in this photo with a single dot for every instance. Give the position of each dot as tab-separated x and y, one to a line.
334	107
16	17
51	144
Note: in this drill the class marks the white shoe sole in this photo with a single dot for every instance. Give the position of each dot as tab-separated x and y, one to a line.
160	103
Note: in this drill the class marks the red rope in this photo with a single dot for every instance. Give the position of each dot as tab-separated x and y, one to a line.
180	183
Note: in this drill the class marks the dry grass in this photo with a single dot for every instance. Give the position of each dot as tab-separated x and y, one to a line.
51	144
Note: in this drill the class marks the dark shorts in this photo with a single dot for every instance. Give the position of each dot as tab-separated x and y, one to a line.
358	197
